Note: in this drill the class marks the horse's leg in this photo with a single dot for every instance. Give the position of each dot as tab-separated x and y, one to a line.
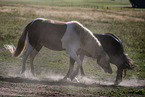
73	54
82	71
25	56
119	75
124	72
72	61
32	56
81	68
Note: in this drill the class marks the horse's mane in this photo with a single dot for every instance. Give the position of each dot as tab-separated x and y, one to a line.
85	32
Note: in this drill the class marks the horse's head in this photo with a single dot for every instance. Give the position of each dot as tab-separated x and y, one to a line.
128	64
103	61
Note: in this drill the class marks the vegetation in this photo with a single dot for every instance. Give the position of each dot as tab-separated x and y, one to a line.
74	3
100	16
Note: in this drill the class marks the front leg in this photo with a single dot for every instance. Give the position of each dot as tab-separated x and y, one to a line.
72	61
74	55
119	75
81	68
82	71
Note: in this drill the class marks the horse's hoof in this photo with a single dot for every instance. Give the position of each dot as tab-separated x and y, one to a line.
71	77
62	80
116	83
65	78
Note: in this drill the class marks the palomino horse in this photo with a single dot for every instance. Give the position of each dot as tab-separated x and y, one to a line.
69	36
114	48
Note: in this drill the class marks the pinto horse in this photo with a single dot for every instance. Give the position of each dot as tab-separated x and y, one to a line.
113	47
69	36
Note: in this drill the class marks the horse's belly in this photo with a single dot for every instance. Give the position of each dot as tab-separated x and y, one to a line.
53	45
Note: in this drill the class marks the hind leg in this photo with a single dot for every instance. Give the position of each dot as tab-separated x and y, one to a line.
32	56
25	56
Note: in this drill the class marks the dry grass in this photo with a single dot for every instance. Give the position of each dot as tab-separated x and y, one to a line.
74	13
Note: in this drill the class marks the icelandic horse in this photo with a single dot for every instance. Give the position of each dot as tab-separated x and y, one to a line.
55	35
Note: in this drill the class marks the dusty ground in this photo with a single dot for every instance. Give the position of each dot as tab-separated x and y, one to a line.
26	87
14	84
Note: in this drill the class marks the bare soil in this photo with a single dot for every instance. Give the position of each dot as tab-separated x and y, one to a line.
10	86
16	86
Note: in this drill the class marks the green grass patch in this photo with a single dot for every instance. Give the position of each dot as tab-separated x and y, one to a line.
70	3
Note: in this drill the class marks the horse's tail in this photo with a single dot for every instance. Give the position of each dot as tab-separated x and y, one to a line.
21	44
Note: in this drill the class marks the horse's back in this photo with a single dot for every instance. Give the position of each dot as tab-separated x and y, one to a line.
111	44
47	33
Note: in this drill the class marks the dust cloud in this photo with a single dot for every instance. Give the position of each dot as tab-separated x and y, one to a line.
133	81
51	76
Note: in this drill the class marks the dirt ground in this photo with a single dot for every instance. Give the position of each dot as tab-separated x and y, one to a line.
18	86
26	87
14	84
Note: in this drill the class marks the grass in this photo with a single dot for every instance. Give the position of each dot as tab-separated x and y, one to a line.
126	23
72	3
125	26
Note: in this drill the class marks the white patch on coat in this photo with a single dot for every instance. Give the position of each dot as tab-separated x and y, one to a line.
97	41
70	38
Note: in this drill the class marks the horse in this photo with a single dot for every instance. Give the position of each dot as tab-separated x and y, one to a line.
114	48
56	35
112	45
